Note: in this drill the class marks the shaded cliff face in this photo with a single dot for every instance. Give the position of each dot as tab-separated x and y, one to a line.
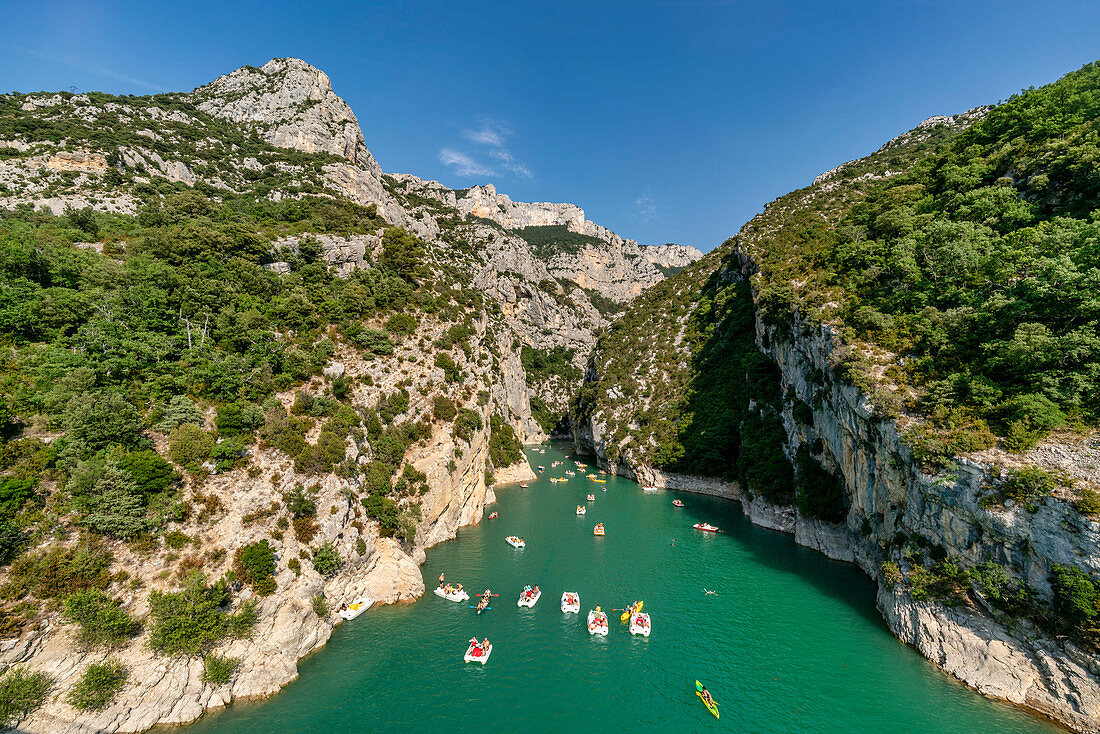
832	437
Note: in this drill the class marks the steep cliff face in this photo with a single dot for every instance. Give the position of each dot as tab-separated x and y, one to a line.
170	690
766	362
290	104
671	258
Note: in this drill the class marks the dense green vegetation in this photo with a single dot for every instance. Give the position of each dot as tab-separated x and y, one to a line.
100	618
551	239
21	692
978	265
542	365
218	669
505	448
98	686
255	566
195	619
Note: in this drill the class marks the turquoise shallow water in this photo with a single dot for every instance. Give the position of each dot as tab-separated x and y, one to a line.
791	643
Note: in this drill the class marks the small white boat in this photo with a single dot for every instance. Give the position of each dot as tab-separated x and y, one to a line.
529	596
705	526
452	594
591	498
570	602
597	623
598	530
515	542
581	509
639	624
356	608
474	654
649	489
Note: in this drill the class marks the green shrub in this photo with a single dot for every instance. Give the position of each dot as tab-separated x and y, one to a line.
443	408
101	618
176	539
60	571
255	566
190	446
151	474
374	341
218	670
326	559
451	372
299	503
1076	599
180	409
320	605
193	620
401	323
1088	501
504	448
12	542
361	546
466	422
21	692
385	511
14	494
98	686
402	253
1028	485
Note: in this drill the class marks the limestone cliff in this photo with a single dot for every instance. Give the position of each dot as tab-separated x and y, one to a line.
291	105
722	369
249	507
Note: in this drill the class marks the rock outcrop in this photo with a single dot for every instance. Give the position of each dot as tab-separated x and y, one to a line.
290	104
670	257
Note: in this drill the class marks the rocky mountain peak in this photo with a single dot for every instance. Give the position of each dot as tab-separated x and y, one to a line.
290	103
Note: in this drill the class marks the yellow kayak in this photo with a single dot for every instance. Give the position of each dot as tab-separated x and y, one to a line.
711	707
628	611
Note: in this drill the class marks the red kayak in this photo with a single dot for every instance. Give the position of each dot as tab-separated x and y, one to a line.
705	526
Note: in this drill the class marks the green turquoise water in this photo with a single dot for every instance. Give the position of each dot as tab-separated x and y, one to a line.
791	642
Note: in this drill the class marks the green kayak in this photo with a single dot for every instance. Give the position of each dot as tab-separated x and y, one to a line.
711	707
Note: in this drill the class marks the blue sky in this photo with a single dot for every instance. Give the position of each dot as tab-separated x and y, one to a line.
667	122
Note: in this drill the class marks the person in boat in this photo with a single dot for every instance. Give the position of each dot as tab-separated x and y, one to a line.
706	696
459	588
485	644
441	581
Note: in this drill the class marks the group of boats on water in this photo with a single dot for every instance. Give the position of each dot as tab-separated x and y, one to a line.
638	622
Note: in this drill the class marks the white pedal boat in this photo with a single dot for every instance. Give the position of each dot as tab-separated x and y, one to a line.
639	624
452	595
581	509
356	608
570	602
482	656
515	542
597	623
528	598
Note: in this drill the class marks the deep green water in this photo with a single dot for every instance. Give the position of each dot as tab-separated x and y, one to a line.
791	643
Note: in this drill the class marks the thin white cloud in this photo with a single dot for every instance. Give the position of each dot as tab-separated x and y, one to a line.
519	169
490	139
463	164
645	207
484	136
